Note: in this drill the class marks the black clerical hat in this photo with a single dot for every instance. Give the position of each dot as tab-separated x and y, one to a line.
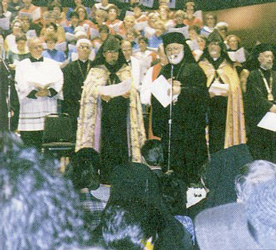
173	37
262	47
111	44
215	37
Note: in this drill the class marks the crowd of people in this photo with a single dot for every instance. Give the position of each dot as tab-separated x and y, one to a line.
154	97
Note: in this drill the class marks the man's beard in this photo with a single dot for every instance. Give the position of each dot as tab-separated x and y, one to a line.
175	59
267	66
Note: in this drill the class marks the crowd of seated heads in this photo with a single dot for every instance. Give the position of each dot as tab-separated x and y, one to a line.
252	175
39	208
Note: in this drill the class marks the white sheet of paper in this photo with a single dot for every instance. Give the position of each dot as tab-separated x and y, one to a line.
140	25
31	33
74	56
116	89
5	23
61	46
135	69
72	47
198	14
69	37
219	88
268	122
36	14
129	13
159	88
94	33
183	30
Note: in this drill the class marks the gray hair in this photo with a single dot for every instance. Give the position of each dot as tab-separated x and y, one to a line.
252	174
83	40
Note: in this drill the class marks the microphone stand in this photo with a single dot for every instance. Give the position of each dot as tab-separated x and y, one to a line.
9	90
170	120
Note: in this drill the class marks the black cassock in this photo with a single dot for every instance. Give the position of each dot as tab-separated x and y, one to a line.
188	144
262	142
74	75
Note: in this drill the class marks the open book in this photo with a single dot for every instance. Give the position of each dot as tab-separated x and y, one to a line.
41	85
183	30
268	122
237	56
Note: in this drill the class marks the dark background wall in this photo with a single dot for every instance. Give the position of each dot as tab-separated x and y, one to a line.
251	23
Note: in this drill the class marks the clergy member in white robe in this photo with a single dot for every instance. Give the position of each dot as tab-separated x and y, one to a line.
39	84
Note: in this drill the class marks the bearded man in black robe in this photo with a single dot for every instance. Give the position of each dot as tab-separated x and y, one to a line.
112	124
260	99
188	150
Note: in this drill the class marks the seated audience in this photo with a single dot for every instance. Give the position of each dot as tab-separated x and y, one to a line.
39	208
83	172
136	186
240	226
251	175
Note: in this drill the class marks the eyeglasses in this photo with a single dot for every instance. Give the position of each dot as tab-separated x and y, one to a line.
84	47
